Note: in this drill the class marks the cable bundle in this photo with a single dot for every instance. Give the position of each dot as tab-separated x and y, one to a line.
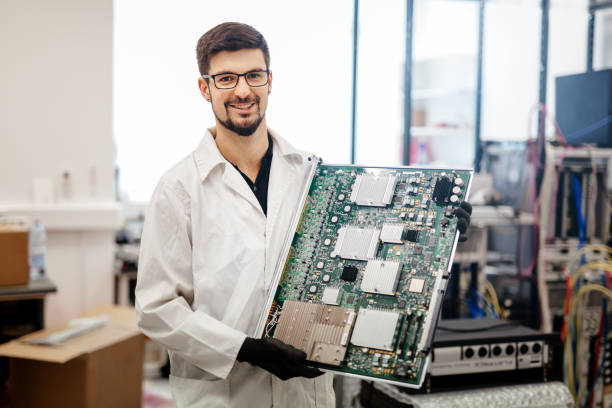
577	292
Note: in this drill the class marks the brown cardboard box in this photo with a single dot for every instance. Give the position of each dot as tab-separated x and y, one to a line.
14	265
101	368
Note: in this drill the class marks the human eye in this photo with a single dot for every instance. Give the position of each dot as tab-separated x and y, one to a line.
256	75
256	78
225	78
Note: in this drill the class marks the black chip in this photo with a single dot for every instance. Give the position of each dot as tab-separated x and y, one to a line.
411	235
442	190
418	250
349	273
401	370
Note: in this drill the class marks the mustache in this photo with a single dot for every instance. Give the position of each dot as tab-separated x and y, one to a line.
249	99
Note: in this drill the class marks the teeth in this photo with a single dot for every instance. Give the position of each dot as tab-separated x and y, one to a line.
244	106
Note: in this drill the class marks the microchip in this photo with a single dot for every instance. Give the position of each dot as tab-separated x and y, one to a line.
411	235
374	190
356	243
375	329
380	277
442	190
331	296
392	232
349	273
416	285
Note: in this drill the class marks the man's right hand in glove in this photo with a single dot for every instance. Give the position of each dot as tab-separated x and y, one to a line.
282	360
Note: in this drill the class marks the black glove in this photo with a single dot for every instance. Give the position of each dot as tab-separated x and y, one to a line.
463	219
282	360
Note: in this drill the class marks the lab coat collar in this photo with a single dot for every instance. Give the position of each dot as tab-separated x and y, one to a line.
207	155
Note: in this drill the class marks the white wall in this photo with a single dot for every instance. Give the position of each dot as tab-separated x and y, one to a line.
159	114
55	116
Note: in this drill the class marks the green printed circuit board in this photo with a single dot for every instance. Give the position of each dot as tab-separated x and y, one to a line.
364	277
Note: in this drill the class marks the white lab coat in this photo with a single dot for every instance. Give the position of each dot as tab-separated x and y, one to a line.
206	262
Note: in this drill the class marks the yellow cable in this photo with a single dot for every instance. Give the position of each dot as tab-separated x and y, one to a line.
576	306
602	265
495	301
593	247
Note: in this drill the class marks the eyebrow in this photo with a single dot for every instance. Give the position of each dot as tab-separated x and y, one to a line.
230	72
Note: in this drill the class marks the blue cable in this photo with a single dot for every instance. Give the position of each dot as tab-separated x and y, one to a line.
491	308
588	129
577	189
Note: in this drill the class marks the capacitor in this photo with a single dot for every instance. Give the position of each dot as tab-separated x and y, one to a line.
334	219
458	181
327	241
454	199
341	197
347	208
457	190
320	264
312	289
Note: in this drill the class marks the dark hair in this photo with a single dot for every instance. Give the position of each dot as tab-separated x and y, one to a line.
229	37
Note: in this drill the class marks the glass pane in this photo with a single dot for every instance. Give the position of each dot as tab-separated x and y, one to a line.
511	63
380	88
444	72
603	40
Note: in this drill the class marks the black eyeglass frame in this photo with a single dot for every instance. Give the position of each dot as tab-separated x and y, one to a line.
214	78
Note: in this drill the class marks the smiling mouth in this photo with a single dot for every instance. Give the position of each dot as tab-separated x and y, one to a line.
242	106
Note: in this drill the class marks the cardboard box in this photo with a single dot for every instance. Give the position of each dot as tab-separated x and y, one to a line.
14	265
100	368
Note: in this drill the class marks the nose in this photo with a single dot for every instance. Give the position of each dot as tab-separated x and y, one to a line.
242	88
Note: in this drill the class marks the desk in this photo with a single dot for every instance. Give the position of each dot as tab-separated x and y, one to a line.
22	307
35	289
22	311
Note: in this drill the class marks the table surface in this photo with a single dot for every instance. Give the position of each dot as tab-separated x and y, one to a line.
39	286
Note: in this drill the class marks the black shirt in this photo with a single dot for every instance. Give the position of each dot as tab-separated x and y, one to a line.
260	187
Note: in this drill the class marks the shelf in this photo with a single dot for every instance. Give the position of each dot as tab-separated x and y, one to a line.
427	93
433	131
102	216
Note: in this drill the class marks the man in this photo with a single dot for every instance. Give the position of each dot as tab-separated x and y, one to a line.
212	236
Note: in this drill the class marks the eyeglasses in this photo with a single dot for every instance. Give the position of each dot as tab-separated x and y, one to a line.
228	80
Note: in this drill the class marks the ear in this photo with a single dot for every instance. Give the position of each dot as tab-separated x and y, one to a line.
204	88
270	83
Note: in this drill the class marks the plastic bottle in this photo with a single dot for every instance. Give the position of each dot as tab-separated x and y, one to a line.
37	250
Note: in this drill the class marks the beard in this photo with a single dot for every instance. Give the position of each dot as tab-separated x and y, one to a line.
246	129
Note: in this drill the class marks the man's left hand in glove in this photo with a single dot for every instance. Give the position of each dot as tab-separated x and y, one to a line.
463	219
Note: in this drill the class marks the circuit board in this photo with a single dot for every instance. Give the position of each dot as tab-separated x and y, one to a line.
362	284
